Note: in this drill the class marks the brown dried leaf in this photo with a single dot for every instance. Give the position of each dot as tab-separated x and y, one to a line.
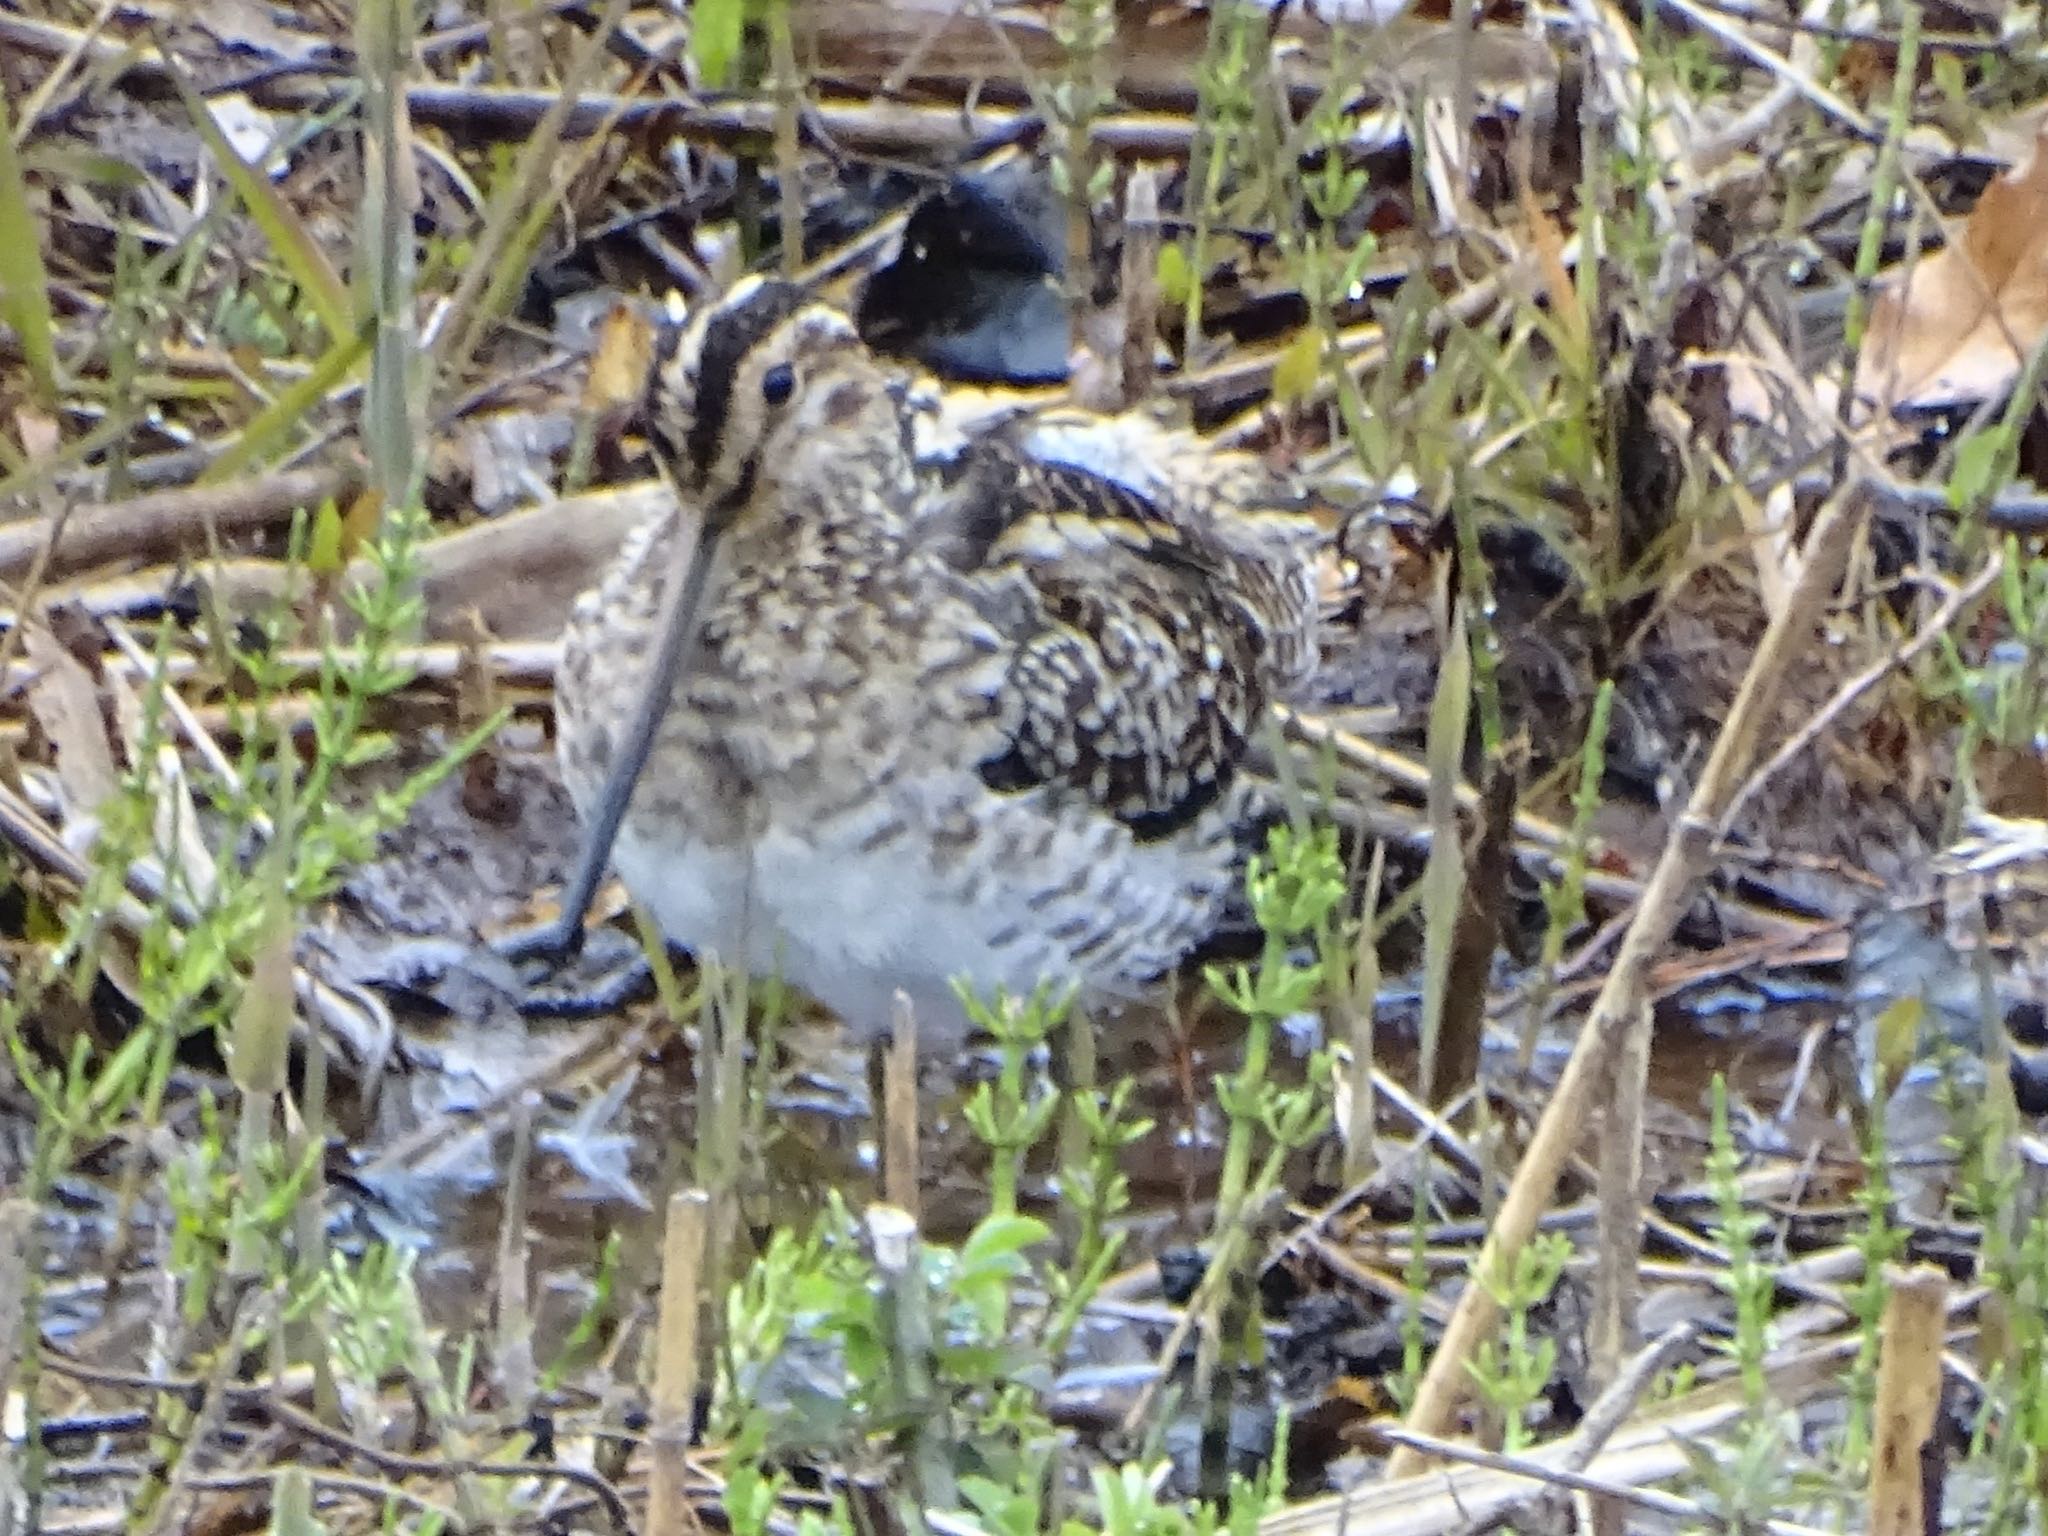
618	368
1957	326
1563	292
66	703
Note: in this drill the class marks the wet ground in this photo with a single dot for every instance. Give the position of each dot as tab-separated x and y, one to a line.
611	1098
602	1111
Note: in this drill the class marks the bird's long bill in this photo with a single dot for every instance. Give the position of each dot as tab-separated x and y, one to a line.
675	629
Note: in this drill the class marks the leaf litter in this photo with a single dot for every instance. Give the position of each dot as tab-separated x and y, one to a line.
1956	327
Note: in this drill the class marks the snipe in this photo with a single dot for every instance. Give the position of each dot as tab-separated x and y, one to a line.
913	717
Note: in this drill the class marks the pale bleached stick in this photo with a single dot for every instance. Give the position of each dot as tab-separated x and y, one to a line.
1685	855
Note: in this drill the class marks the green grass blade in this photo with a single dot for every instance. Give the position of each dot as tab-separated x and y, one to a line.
717	32
300	253
24	286
277	418
500	259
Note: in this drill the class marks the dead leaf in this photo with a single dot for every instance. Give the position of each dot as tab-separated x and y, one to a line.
361	522
66	703
1864	71
618	368
40	435
1549	242
1956	328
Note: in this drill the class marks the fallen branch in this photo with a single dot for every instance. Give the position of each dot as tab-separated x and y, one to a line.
157	525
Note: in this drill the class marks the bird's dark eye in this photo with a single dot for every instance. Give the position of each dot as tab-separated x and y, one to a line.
778	384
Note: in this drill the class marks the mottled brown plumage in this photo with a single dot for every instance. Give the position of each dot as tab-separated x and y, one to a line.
975	711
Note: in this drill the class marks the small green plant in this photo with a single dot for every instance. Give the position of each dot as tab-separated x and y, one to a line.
1097	1191
213	953
1086	33
836	1351
1879	1239
1295	887
25	302
1128	1503
266	314
1227	104
861	1338
2000	692
1745	1482
718	36
1748	1281
1315	213
229	1216
2010	1434
1564	896
1415	1285
1006	1114
1513	1372
2012	1430
379	1329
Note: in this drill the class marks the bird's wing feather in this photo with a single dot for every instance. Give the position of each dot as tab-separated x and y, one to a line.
1146	645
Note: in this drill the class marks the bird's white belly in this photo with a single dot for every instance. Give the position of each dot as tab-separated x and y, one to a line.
700	894
857	928
849	926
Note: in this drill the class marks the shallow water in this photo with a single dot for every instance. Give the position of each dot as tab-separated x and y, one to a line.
605	1110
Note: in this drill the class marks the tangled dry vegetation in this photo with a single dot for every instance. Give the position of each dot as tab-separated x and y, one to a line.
1670	375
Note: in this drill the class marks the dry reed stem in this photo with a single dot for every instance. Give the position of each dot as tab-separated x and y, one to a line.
1138	291
1669	1505
196	734
1908	1397
899	1112
1358	1099
1633	1378
461	322
512	662
1354	751
1649	1449
1786	71
1617	1011
854	126
1619	1245
520	572
669	1512
1365	767
595	1058
165	520
517	1374
1618	1242
1382	1284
